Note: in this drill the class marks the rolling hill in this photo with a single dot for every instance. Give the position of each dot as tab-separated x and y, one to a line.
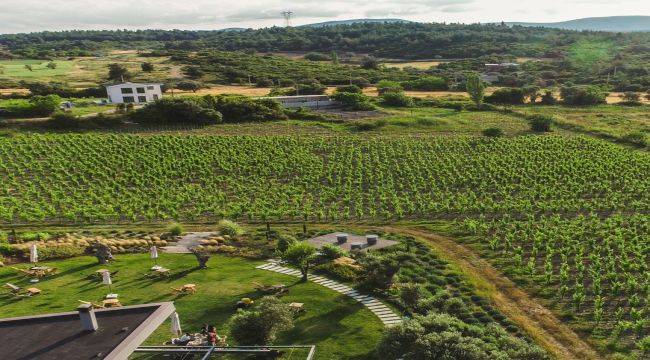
609	23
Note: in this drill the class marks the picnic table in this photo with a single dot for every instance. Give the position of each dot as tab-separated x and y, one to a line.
186	289
111	303
162	272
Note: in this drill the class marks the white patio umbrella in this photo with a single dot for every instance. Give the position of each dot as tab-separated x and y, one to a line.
106	280
33	254
153	252
176	325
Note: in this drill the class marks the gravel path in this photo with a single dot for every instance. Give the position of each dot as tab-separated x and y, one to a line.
187	241
383	312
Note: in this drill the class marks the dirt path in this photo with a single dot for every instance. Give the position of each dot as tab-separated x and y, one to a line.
518	306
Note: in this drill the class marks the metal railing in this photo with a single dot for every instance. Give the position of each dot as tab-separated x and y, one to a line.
208	351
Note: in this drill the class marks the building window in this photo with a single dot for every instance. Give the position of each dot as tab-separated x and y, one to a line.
155	96
142	99
128	99
140	90
150	87
127	91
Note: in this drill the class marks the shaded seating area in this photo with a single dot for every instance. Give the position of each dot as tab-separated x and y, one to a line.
20	292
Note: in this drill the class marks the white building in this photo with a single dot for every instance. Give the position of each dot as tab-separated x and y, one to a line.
133	93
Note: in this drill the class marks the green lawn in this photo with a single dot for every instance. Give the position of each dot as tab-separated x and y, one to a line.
340	327
16	69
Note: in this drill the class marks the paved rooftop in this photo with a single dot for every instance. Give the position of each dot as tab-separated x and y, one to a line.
323	240
60	336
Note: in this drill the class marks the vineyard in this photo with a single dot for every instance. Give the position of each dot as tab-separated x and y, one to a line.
594	268
102	178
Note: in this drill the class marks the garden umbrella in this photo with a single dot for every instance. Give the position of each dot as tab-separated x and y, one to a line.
176	324
106	279
33	254
153	251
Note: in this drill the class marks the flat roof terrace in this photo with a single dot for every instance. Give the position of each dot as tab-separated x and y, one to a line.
352	242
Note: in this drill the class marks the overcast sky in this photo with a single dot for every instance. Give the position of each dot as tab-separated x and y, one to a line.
37	15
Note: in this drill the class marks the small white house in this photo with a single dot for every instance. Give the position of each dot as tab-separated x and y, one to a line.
133	93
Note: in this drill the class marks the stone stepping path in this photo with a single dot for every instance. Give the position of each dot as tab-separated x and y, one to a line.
383	312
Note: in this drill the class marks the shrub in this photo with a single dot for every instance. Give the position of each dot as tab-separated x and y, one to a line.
506	96
176	111
385	86
314	56
349	89
353	101
331	252
175	229
230	228
370	63
239	108
57	252
367	125
631	98
426	83
492	132
339	271
66	121
540	123
361	82
147	67
377	271
260	325
312	88
397	99
284	242
583	95
548	98
266	82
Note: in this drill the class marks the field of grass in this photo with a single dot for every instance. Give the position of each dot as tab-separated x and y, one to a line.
88	71
339	326
612	121
585	54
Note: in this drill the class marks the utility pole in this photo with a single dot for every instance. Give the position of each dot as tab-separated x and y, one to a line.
287	17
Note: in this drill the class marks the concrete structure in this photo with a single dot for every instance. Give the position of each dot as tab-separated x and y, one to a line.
308	101
351	242
109	334
133	93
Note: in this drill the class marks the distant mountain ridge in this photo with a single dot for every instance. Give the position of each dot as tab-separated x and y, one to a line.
608	23
354	21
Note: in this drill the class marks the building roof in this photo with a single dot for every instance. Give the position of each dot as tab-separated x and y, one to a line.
132	84
61	336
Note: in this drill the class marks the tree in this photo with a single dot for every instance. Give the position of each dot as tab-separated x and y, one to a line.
335	58
506	96
189	85
397	99
583	95
492	132
102	252
475	89
44	105
202	256
284	242
370	63
147	67
301	255
29	67
631	97
118	73
193	72
176	111
260	325
51	65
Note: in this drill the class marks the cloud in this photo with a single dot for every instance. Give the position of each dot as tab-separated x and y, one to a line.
36	15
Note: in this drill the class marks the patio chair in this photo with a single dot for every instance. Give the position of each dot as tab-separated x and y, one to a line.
15	290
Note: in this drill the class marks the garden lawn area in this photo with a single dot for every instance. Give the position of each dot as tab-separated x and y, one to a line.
15	69
339	326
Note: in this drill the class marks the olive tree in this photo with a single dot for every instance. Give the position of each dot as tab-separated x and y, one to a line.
475	88
301	255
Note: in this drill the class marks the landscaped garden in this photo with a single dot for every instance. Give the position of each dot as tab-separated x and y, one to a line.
338	325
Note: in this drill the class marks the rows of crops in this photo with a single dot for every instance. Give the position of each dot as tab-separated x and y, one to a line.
592	267
124	177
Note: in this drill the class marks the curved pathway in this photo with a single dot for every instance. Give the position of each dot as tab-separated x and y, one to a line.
383	312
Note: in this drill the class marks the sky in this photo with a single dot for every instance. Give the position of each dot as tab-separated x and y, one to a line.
37	15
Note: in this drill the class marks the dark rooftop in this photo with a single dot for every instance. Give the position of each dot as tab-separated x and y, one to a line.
61	336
